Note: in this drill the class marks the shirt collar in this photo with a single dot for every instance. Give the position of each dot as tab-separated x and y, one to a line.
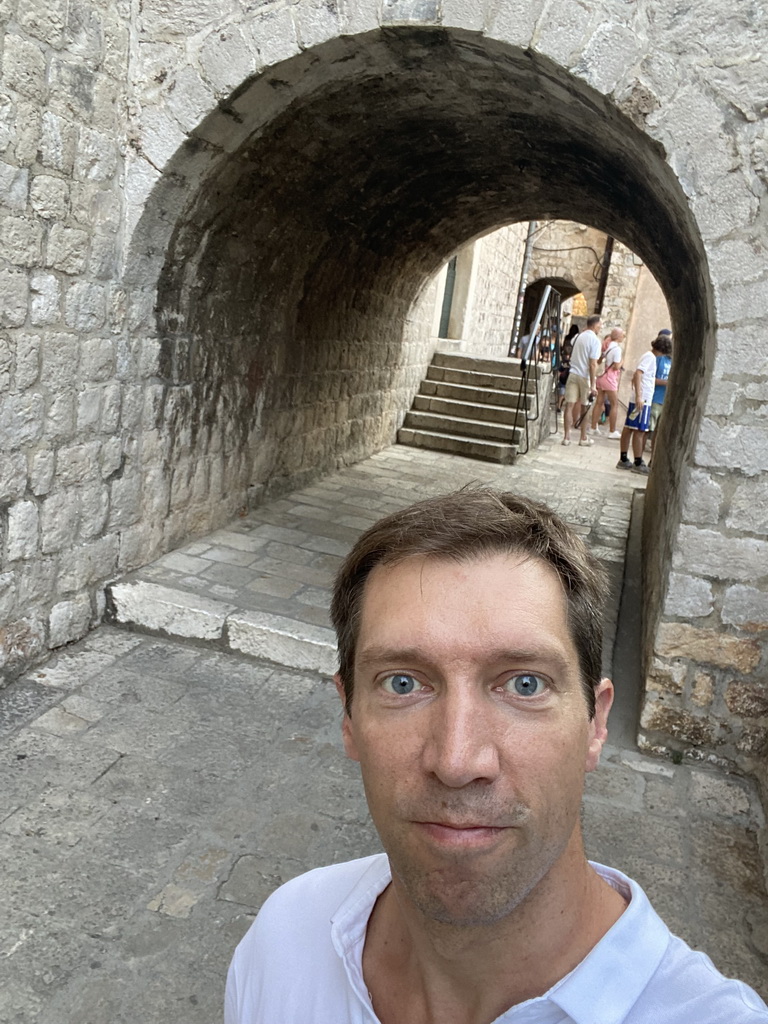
607	983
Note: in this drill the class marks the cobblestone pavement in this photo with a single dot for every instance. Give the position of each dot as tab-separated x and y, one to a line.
153	791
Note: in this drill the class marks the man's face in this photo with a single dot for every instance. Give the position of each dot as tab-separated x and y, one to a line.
472	732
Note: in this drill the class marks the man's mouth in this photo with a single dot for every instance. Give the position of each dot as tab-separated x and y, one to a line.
472	835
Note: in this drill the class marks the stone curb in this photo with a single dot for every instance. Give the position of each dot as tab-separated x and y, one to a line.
151	607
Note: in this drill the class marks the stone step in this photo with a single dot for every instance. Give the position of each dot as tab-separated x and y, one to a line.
474	378
477	364
486	396
490	451
151	607
469	410
456	425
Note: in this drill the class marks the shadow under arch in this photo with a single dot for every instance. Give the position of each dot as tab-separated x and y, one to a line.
283	263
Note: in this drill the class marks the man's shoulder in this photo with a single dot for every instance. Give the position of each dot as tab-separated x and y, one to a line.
318	894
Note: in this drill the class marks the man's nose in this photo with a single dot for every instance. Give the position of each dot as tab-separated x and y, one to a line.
462	743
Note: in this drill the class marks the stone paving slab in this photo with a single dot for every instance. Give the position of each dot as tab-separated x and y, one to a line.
261	586
164	789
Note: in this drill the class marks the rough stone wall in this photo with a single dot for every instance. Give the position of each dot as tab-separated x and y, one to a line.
621	287
291	174
498	259
69	406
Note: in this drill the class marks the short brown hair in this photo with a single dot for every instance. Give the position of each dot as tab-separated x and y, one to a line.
473	523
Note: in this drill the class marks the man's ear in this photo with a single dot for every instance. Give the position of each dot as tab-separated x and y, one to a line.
346	724
598	727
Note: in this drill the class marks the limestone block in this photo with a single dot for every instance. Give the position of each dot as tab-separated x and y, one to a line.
189	98
131	405
468	14
110	408
666	676
6	364
563	34
21	419
69	621
21	642
716	220
702	689
8	596
363	15
612	48
60	360
110	457
718	795
398	12
14	297
71	88
749	507
13	474
95	156
167	19
67	249
735	262
702	499
227	59
7	121
37	578
688	596
21	240
49	197
14	186
733	447
24	67
746	607
59	520
708	553
105	104
749	700
160	137
125	500
45	300
682	725
705	646
171	611
94	509
28	130
274	34
23	521
722	398
41	467
85	306
283	640
97	359
89	410
77	463
57	142
60	417
87	564
316	21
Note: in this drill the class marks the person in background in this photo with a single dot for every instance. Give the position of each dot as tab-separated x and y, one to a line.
608	382
639	412
580	387
663	365
563	369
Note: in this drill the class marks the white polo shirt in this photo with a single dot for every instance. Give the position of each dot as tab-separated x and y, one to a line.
301	963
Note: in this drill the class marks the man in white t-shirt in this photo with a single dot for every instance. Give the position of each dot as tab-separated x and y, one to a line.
469	631
638	421
580	385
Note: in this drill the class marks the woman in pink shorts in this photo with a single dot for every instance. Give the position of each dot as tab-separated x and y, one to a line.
608	383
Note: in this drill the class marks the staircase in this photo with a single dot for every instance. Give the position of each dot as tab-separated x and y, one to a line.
467	406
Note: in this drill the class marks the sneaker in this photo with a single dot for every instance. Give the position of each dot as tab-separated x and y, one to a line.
586	442
615	435
621	464
642	468
595	430
565	441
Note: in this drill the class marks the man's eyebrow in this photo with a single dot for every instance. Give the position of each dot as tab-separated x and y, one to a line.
400	656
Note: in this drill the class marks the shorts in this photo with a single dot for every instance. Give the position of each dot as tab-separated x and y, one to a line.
638	419
655	414
577	389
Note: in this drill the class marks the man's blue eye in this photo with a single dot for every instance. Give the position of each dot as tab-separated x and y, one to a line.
400	683
527	685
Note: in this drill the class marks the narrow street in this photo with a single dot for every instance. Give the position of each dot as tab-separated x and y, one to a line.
154	790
